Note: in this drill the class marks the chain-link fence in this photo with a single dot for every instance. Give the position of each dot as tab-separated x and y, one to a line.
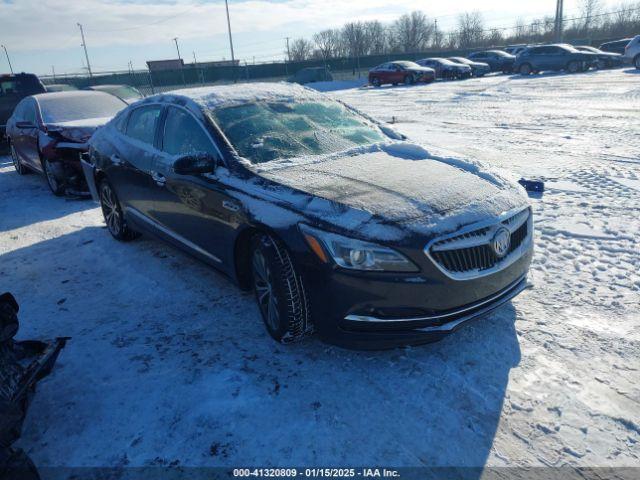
193	75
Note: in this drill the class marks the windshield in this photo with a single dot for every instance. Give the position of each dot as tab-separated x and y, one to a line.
406	64
266	131
122	91
63	107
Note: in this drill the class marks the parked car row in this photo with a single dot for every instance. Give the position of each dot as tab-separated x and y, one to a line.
222	172
427	70
523	59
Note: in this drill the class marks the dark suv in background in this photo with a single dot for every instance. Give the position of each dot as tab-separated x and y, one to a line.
14	88
554	57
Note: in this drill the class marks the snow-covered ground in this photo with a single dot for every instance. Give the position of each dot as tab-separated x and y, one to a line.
169	363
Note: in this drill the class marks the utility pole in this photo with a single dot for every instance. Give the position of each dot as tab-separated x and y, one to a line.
559	21
84	45
8	61
288	59
195	61
233	58
53	70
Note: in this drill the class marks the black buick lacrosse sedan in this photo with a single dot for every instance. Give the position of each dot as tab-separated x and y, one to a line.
339	224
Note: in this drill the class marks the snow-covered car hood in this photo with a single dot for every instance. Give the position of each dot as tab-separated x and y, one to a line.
397	186
77	130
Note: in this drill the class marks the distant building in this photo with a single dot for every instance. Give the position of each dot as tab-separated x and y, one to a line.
218	63
158	65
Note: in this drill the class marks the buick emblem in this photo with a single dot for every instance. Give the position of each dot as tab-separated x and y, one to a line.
501	242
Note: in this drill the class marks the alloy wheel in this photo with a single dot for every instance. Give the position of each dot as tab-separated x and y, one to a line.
111	210
263	283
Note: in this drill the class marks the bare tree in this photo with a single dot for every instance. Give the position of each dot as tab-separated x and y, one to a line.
470	29
375	38
355	39
301	49
327	43
412	32
589	10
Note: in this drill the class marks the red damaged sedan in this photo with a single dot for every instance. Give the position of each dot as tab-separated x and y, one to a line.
400	72
48	132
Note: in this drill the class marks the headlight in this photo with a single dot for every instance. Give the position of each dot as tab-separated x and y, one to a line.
355	254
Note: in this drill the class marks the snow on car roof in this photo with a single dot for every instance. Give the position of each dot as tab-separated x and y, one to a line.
226	95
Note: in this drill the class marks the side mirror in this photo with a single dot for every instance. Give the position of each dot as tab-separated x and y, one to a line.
25	125
195	164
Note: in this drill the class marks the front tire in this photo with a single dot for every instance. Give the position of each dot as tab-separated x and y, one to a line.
17	163
279	291
56	187
376	82
409	80
525	69
636	62
113	215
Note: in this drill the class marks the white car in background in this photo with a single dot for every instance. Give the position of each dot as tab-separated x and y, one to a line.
632	52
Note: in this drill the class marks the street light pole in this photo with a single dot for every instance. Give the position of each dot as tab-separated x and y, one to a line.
233	58
8	61
175	39
84	45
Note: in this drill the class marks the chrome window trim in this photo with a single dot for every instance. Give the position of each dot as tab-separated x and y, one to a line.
494	222
172	234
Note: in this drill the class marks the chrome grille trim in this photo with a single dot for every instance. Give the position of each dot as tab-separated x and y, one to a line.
466	254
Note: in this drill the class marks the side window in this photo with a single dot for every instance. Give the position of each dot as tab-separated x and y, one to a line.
142	123
18	112
184	135
121	121
29	111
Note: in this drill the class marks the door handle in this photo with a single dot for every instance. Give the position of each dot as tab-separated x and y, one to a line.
229	205
116	160
159	178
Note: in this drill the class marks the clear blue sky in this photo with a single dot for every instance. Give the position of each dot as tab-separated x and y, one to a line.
42	33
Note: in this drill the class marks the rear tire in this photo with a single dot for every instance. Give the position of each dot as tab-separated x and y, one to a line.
573	66
113	215
57	188
409	80
17	163
376	82
279	290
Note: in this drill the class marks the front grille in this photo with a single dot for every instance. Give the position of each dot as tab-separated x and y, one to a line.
471	253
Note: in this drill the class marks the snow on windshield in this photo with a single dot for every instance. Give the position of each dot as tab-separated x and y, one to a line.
69	106
264	131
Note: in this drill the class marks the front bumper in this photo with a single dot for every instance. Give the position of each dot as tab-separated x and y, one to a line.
378	311
364	332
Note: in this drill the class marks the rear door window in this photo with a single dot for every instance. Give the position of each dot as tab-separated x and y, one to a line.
142	123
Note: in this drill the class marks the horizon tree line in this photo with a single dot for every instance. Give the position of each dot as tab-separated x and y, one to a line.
415	32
